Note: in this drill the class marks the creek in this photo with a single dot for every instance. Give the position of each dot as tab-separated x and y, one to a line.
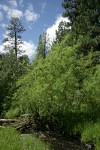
61	144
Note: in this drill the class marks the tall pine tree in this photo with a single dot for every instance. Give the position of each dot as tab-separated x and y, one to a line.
62	31
84	20
42	46
14	28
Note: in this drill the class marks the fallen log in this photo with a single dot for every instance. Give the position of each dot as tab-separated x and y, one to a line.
25	126
7	121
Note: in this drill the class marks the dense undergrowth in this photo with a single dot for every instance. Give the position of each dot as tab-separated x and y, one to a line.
61	91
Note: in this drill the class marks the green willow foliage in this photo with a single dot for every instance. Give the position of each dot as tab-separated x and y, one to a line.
64	87
43	89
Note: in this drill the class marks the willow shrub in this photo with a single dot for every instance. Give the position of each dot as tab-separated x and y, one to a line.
49	88
59	88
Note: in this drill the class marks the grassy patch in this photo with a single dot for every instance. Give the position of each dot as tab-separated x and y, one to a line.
91	133
10	139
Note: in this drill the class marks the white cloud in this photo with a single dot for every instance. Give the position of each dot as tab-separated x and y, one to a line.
4	7
31	15
21	2
1	16
14	13
3	25
28	48
5	35
43	6
1	48
13	3
51	31
5	44
11	12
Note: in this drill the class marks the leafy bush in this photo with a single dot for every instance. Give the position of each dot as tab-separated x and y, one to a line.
12	113
51	88
62	89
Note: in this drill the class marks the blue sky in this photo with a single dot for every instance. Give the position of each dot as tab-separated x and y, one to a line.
36	16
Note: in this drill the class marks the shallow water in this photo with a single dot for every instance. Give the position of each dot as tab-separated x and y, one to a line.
65	145
61	144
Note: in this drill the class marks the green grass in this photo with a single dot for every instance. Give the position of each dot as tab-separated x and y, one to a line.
91	133
10	139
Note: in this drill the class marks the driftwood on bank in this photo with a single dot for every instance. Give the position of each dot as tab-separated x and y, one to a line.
7	121
27	126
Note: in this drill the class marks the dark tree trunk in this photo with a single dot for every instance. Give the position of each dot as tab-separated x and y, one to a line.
15	45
